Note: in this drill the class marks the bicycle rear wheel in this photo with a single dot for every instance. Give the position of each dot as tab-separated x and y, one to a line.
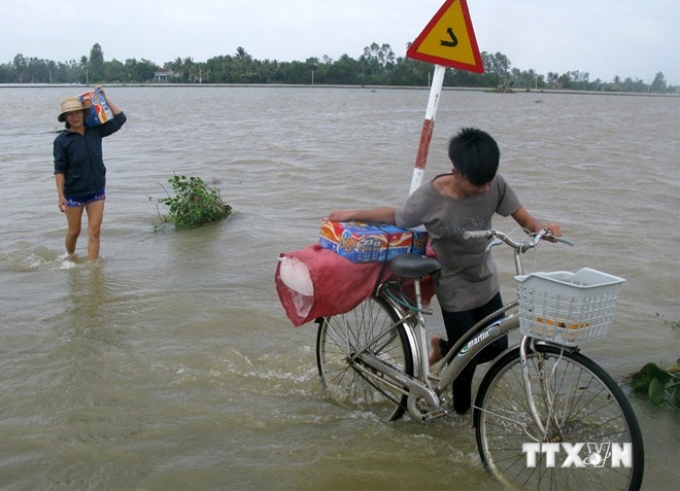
579	405
341	336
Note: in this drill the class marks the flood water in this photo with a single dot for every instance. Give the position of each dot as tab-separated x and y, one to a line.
170	364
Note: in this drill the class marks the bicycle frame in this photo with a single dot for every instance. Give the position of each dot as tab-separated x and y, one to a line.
424	389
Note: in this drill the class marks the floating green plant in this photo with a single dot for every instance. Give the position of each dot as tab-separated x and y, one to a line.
194	204
661	386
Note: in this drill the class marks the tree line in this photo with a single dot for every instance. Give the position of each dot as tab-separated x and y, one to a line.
377	65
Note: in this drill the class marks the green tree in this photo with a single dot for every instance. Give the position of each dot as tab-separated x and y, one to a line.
499	65
659	83
637	85
139	71
114	71
244	68
377	65
21	67
84	68
52	70
412	72
218	68
297	72
193	71
345	71
565	81
6	73
313	66
96	64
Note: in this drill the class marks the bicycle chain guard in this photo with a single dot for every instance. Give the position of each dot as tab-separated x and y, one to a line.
423	404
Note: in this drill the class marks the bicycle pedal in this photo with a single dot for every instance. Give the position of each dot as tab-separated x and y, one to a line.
440	413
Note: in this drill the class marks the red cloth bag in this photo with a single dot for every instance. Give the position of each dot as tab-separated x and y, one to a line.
316	282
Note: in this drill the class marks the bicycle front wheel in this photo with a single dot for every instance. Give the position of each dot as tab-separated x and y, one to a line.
590	438
371	327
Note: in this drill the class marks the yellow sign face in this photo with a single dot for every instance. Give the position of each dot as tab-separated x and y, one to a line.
449	39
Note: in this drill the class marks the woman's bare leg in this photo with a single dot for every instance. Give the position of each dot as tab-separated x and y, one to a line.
95	216
73	217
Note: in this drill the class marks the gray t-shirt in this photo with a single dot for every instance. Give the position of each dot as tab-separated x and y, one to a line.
468	279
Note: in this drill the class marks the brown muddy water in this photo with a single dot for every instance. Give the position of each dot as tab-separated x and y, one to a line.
170	364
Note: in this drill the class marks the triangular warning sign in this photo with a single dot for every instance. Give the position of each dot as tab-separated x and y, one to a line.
449	39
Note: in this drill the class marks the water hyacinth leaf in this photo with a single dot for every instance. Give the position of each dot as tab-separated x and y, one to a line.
657	393
647	374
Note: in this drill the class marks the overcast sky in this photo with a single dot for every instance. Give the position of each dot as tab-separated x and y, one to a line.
605	38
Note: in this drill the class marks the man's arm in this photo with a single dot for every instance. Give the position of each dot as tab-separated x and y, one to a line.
528	222
383	214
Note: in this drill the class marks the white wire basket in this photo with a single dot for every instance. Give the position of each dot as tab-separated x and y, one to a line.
567	308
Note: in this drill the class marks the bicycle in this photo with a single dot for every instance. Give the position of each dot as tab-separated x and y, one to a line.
537	401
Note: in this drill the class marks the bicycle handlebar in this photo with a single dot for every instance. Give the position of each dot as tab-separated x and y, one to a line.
522	246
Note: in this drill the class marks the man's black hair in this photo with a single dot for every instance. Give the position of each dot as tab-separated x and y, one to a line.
475	154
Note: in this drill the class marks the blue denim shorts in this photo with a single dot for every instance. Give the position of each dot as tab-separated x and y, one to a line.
86	200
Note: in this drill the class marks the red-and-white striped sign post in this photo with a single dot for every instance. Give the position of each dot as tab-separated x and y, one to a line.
448	40
428	127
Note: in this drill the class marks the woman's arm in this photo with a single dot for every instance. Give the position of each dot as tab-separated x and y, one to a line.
114	108
118	120
60	191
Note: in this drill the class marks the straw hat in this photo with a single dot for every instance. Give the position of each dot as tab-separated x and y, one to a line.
69	105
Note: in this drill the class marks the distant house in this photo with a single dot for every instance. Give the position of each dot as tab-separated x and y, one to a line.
163	75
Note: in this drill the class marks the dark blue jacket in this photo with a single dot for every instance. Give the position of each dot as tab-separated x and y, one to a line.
80	158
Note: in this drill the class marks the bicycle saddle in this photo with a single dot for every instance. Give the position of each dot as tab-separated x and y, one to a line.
414	266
